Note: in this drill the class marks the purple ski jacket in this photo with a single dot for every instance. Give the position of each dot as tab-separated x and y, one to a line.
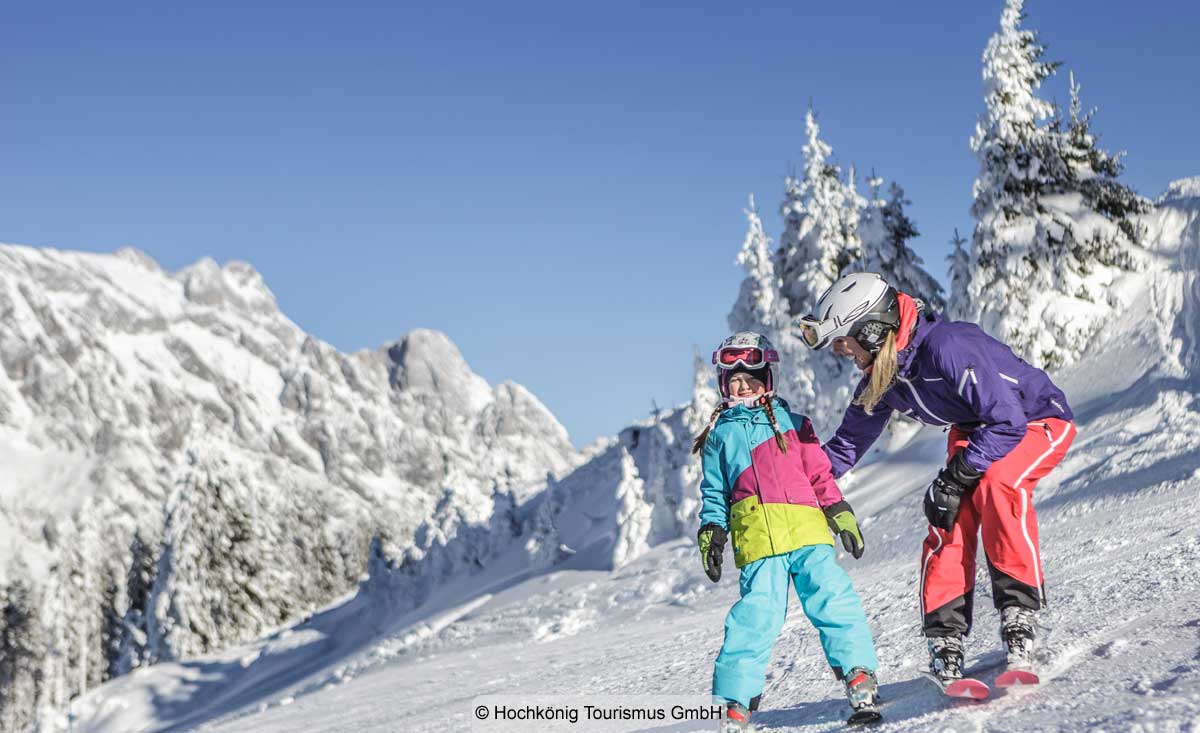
952	373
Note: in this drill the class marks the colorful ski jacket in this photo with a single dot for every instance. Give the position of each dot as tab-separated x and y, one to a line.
769	501
952	373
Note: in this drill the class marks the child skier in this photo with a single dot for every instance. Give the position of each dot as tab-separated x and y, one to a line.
768	483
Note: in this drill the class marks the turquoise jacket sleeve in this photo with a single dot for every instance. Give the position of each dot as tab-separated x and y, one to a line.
714	493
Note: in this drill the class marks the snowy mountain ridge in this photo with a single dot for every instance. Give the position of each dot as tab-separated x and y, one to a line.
1181	190
158	430
549	609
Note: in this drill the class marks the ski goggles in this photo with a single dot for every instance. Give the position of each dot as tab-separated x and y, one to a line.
815	332
747	357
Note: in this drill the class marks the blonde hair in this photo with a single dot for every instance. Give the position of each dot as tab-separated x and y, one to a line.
779	441
883	373
698	444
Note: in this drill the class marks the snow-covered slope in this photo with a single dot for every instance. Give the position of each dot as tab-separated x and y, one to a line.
594	597
182	467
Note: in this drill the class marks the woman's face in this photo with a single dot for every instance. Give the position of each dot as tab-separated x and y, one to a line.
742	384
848	347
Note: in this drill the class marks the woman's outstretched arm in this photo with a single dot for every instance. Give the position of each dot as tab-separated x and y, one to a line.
856	434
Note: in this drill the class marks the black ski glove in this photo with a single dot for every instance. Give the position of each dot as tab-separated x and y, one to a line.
712	546
844	524
946	492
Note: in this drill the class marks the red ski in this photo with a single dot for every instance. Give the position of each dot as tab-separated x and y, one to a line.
1016	678
966	688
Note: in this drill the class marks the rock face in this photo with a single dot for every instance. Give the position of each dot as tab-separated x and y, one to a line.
181	466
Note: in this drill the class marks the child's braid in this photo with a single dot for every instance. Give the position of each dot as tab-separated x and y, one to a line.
779	441
703	436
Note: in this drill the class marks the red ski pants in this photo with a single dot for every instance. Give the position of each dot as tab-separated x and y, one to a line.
1002	507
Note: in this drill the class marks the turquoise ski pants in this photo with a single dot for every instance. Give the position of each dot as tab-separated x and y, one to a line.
756	619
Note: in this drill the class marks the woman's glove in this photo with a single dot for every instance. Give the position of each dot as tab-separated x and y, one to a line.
712	546
945	494
843	524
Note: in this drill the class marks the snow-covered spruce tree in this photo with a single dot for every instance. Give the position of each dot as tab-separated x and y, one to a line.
75	613
820	215
1095	172
464	533
704	393
23	647
1049	240
959	263
819	241
130	650
232	563
221	578
759	305
885	230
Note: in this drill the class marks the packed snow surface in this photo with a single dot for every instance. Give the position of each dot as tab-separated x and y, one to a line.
1120	532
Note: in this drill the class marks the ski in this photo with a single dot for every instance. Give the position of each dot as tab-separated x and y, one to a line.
965	688
1016	678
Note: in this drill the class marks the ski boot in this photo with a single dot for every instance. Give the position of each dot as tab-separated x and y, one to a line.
862	689
1017	632
946	669
946	658
736	718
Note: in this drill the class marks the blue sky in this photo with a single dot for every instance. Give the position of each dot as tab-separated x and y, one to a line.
557	186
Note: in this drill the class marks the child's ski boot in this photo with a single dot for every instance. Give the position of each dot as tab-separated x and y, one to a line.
946	669
736	718
1017	632
862	689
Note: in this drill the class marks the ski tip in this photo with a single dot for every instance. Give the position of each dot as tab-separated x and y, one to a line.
864	717
968	688
1016	678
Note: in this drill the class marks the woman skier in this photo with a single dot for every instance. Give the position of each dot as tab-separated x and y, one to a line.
768	484
1009	426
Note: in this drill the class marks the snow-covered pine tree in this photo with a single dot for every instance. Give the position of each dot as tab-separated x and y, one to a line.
820	215
23	647
130	650
1011	146
222	577
85	580
819	242
885	231
1094	172
852	216
959	263
759	305
704	394
1047	243
762	308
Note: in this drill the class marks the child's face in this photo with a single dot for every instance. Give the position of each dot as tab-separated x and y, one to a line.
744	385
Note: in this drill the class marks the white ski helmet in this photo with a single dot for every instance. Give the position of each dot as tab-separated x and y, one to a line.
745	351
862	306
